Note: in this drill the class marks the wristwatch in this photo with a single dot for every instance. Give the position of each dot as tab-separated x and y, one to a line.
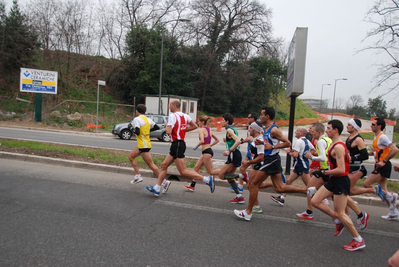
385	161
272	146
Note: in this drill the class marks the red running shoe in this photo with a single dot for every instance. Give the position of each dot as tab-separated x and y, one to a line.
238	200
339	228
305	216
189	188
354	245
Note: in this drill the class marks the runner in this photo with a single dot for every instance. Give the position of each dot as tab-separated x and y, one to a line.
233	155
177	128
142	126
274	141
383	151
322	145
301	164
338	186
205	138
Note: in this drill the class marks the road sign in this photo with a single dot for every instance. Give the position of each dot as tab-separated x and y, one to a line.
101	82
38	81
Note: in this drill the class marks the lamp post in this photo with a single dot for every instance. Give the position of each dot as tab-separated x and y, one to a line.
160	68
335	86
321	97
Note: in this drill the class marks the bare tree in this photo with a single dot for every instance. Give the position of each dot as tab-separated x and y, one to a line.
385	16
354	100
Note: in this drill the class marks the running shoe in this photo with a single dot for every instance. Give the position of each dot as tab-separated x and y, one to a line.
325	201
392	216
246	178
243	214
152	190
362	222
238	200
354	245
311	191
211	183
137	179
339	228
239	189
392	203
165	186
256	209
305	216
378	192
279	200
189	188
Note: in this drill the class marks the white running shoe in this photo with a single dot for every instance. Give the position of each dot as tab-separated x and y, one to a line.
137	179
243	214
392	216
165	186
311	191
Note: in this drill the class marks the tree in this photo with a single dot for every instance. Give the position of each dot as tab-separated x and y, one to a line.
358	111
18	40
377	107
385	16
353	101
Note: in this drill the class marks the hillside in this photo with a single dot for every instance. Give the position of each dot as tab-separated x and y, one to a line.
77	91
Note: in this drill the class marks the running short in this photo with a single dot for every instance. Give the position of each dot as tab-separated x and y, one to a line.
257	166
339	185
272	165
384	171
359	168
325	178
144	150
177	149
234	158
208	151
249	155
299	169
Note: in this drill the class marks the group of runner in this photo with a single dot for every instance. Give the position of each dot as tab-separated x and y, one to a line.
335	169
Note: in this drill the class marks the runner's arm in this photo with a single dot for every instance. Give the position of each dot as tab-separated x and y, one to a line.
216	139
201	138
276	133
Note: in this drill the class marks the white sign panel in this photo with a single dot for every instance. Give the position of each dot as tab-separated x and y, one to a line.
297	62
101	82
38	81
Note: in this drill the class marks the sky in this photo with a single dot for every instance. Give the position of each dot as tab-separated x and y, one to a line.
336	30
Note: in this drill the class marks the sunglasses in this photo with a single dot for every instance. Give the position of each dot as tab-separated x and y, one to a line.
373	124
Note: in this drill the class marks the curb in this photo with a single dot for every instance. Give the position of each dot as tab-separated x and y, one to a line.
372	201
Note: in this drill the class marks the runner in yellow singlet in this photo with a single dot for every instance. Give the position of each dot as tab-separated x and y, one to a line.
141	127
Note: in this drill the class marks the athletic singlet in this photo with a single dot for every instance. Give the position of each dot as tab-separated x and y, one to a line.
301	159
273	141
353	150
143	140
380	153
180	126
230	141
315	164
324	164
207	140
333	162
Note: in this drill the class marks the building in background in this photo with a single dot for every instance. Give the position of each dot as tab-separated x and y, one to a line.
189	105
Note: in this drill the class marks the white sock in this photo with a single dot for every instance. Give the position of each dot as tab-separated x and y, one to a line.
240	186
282	197
337	221
206	179
257	207
157	187
240	175
389	196
239	195
358	239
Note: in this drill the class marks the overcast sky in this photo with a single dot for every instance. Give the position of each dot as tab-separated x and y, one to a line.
335	33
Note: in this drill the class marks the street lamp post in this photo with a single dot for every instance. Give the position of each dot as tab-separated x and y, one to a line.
161	65
335	86
321	97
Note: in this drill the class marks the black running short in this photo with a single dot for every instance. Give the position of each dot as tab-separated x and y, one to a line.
359	168
234	158
384	171
339	185
177	149
325	178
272	164
208	151
144	150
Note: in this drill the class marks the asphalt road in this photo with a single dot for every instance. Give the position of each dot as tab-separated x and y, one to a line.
59	216
109	141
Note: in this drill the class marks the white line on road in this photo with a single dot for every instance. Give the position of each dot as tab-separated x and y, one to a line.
270	217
